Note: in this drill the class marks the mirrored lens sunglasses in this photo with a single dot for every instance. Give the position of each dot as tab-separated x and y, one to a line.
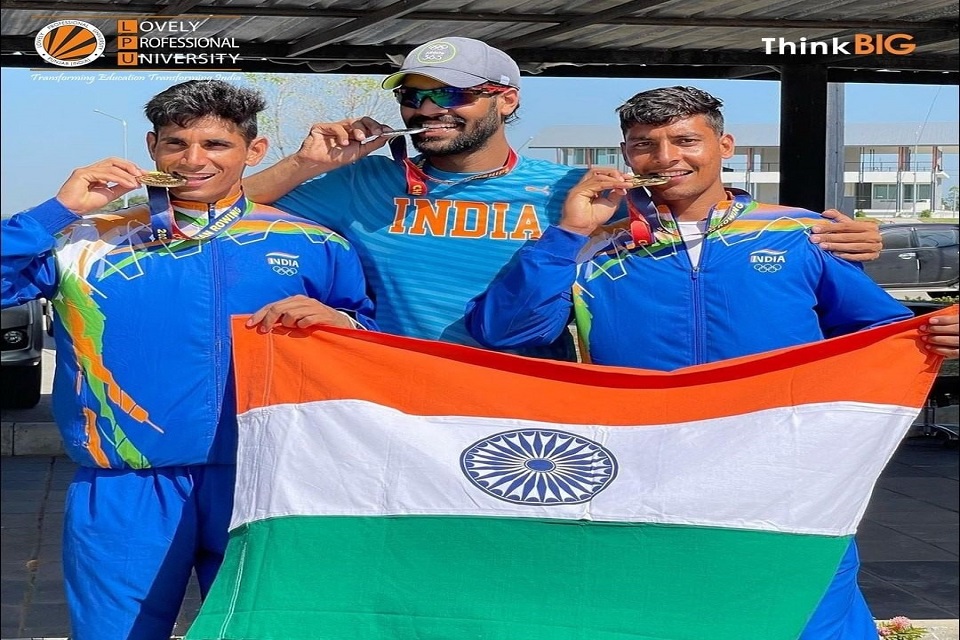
444	97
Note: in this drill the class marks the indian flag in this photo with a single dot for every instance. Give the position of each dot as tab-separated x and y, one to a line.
391	488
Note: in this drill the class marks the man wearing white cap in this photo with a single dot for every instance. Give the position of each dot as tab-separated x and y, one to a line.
433	231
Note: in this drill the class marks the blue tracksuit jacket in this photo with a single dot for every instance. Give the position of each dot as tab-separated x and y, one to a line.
143	374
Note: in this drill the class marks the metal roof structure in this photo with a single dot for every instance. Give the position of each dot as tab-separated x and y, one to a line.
805	44
572	38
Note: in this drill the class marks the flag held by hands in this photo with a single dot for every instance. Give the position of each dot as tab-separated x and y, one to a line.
392	488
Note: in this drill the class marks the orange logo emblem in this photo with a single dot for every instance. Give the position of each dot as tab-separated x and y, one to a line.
70	43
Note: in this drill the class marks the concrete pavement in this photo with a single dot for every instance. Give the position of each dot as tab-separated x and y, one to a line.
32	602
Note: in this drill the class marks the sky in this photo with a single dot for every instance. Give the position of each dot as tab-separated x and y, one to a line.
50	125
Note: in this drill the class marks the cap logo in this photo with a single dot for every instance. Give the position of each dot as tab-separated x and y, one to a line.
437	53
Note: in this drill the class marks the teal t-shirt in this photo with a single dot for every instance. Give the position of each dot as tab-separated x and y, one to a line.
426	257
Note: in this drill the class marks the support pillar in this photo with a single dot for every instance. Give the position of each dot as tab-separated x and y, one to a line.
803	136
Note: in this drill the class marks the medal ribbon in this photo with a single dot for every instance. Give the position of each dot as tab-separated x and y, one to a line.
165	226
417	178
646	218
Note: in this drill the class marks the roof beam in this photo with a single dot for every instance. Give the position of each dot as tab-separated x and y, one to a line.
177	8
458	16
545	59
324	37
726	58
549	57
260	65
172	9
753	73
575	24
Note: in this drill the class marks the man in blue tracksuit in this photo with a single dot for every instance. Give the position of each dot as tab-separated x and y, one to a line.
702	274
143	393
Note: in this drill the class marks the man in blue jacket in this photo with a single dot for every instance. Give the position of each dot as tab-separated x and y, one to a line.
143	393
702	274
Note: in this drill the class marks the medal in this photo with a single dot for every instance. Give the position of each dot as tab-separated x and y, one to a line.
161	179
648	180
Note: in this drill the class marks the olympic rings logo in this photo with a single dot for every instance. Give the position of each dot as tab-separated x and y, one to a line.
285	271
768	268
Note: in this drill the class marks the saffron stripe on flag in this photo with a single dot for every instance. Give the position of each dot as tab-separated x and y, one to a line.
423	377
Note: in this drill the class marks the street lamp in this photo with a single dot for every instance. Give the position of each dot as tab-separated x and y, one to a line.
916	153
124	124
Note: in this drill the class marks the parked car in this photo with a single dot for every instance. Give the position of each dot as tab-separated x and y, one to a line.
918	258
21	346
944	390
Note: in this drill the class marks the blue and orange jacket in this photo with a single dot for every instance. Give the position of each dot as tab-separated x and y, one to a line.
144	374
760	285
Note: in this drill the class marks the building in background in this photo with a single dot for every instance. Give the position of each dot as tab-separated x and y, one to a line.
889	169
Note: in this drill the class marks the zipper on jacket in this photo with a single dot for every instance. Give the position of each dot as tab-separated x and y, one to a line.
699	347
218	320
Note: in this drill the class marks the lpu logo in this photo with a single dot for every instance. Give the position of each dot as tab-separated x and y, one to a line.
70	43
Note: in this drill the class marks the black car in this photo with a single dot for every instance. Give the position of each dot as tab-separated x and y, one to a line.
22	330
920	257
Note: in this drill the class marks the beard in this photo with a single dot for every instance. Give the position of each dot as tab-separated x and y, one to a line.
474	137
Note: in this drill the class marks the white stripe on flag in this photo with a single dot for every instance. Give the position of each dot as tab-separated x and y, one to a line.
803	469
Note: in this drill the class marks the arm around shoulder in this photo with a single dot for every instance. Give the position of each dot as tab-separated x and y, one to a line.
271	184
328	146
852	240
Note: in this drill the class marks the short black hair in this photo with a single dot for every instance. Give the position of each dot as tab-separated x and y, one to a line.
668	104
186	102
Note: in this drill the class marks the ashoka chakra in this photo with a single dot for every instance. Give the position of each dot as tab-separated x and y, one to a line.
539	467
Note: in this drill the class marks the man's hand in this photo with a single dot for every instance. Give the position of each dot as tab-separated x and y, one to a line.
89	188
298	311
330	145
854	240
941	335
593	200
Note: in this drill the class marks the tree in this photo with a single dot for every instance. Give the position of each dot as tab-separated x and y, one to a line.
117	204
297	101
952	201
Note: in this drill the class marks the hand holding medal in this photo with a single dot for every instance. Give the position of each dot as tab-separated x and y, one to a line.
594	200
94	186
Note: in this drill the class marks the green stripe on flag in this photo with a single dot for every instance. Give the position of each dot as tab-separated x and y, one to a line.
451	578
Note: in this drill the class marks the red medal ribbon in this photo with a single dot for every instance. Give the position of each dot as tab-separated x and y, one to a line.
417	178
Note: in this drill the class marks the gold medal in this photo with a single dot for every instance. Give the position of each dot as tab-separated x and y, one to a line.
648	180
161	179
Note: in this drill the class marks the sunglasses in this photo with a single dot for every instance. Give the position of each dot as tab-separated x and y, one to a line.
444	97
